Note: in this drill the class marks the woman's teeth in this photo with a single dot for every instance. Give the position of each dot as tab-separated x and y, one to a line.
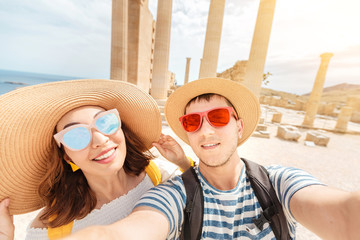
106	155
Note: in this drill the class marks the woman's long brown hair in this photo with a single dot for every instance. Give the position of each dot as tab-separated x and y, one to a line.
67	195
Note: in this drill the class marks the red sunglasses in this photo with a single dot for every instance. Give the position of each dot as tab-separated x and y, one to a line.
217	117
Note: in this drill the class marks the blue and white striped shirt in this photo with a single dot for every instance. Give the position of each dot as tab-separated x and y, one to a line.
228	214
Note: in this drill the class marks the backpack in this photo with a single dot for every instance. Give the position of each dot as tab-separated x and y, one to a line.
152	171
264	191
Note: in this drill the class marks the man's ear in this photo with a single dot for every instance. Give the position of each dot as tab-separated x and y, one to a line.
240	126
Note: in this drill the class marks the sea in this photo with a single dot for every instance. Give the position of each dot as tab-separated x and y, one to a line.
11	80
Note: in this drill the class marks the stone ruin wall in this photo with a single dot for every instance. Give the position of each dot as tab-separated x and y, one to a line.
237	73
327	109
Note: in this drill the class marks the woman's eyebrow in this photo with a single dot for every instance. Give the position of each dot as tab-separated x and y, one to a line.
74	123
98	113
70	124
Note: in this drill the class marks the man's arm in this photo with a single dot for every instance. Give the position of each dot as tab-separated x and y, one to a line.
142	223
329	213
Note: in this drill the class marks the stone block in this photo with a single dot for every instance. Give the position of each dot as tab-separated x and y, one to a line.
261	127
354	102
262	99
277	117
274	100
329	108
317	137
355	117
261	134
261	120
288	133
267	100
299	105
283	102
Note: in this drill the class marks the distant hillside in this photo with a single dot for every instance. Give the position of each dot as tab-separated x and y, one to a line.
340	96
333	94
339	87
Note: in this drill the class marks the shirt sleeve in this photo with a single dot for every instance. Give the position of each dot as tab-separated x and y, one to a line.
168	198
286	182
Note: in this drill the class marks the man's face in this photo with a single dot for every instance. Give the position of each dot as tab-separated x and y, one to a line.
214	146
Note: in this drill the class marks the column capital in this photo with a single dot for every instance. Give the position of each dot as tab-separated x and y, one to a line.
326	56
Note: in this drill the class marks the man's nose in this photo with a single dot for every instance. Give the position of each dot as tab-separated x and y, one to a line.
206	127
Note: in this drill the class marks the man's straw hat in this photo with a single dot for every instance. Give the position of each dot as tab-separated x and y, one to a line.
246	104
28	117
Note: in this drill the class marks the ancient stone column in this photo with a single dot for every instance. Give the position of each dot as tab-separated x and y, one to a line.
343	119
119	35
186	80
160	76
259	46
141	34
210	57
315	96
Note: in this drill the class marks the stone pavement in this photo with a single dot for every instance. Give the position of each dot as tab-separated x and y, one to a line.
336	165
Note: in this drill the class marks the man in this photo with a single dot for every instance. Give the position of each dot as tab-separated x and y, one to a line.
217	116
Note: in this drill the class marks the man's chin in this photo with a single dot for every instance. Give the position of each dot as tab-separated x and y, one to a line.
213	164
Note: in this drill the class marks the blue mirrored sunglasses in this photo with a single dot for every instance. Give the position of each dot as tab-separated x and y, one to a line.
78	137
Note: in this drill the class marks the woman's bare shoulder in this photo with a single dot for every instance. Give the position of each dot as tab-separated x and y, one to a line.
37	223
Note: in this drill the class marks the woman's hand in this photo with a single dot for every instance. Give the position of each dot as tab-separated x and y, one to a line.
6	221
172	151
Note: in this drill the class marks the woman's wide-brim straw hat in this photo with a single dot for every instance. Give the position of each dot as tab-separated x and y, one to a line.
28	117
244	101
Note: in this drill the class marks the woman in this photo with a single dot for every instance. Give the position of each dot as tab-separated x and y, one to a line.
87	143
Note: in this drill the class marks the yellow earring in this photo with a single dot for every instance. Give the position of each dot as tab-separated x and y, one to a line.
73	166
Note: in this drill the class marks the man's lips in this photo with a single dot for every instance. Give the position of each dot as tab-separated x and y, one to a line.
210	145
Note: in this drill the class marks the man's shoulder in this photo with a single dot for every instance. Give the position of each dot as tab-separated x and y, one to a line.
174	183
171	190
279	169
288	180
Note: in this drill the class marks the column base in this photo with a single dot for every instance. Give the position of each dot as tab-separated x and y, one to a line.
161	102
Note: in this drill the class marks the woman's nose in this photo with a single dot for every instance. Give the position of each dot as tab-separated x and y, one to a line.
98	138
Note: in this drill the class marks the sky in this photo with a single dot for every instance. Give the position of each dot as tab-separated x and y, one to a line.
72	38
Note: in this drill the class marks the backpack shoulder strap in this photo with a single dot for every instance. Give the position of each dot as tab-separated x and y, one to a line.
154	173
60	232
194	209
265	193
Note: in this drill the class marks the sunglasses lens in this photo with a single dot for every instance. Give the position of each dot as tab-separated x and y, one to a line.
108	124
191	122
77	138
219	117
